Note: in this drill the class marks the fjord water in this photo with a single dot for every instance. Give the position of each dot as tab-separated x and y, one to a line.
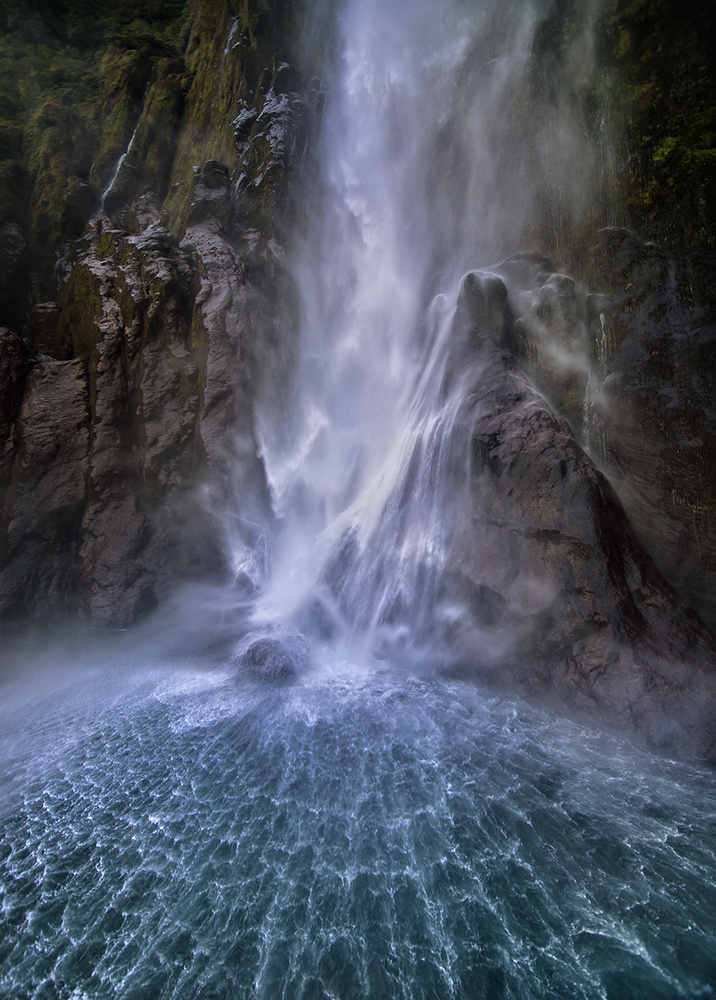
175	829
169	833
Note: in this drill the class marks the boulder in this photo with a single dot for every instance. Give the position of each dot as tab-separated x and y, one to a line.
274	660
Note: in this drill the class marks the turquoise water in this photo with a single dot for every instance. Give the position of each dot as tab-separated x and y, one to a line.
173	832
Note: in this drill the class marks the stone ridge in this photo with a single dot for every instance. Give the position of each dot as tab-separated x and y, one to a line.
586	621
159	316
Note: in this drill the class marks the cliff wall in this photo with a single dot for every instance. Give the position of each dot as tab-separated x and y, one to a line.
144	192
149	179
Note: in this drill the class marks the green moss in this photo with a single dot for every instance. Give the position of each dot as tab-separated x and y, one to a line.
105	245
80	306
661	153
667	100
73	74
219	78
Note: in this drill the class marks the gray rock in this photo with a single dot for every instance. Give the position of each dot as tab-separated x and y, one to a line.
274	660
595	627
652	414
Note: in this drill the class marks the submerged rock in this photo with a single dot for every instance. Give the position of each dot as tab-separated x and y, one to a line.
274	660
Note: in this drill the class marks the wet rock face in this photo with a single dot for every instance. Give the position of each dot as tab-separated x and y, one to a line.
13	372
97	456
145	397
125	465
626	357
542	585
652	332
41	519
274	660
593	625
157	307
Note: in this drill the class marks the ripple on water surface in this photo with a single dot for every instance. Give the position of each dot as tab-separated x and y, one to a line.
169	833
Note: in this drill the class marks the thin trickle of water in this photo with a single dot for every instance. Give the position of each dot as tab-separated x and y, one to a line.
121	161
594	435
230	37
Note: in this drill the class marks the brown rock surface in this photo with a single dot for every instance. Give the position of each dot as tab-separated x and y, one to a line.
594	626
42	514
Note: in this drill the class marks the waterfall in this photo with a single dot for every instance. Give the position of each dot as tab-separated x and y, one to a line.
122	159
439	152
120	163
175	827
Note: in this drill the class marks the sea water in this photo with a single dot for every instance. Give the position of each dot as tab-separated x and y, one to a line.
181	831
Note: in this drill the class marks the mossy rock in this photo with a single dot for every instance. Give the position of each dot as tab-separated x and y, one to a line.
77	332
667	101
73	75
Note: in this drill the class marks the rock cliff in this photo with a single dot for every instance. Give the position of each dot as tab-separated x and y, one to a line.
586	618
153	252
146	190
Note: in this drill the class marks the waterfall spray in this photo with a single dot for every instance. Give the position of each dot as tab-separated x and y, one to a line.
436	155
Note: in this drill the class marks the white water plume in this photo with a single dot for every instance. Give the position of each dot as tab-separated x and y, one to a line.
441	150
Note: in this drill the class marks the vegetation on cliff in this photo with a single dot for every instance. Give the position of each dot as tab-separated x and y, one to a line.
100	106
647	97
79	79
666	97
73	79
119	139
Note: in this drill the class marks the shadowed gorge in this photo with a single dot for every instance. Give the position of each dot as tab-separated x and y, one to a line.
357	507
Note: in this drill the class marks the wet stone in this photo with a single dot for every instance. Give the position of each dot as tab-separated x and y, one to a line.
274	660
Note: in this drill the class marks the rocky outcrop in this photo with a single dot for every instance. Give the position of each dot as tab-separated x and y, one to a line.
156	315
43	504
628	364
503	553
596	627
170	481
13	372
549	590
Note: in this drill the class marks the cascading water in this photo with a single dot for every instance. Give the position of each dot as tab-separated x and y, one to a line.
438	153
109	190
173	829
